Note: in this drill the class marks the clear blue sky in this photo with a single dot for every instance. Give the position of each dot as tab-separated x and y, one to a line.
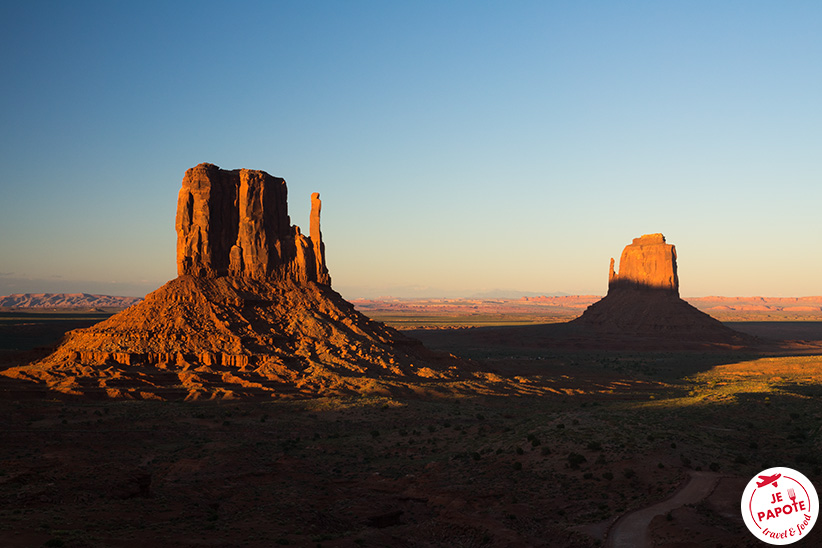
459	147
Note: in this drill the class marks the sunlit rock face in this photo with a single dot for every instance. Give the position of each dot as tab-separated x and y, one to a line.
236	223
648	262
251	314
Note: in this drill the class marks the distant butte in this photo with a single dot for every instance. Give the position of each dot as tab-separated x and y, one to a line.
643	301
648	262
252	313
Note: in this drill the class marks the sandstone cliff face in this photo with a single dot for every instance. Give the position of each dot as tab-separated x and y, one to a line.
236	223
647	263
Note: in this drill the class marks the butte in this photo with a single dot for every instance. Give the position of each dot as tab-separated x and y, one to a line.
251	313
643	303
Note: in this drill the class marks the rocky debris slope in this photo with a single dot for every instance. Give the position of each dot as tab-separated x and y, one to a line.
252	313
643	300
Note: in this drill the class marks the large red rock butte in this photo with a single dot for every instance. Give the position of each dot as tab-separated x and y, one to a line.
236	223
252	313
643	302
648	262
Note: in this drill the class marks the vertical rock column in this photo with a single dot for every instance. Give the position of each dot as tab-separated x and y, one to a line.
206	221
316	236
263	225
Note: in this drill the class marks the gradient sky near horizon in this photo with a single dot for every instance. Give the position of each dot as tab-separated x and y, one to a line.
460	148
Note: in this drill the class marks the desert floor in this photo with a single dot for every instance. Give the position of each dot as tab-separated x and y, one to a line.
606	433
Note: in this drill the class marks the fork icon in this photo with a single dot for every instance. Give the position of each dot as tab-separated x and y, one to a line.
792	494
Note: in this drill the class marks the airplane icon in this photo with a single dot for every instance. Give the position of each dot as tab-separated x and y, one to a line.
767	480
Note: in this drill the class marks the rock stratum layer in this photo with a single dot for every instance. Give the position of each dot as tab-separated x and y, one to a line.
252	313
643	302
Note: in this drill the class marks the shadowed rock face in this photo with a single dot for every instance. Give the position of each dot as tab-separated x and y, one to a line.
252	313
643	300
236	223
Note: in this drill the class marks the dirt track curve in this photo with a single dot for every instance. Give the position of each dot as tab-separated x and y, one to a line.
631	530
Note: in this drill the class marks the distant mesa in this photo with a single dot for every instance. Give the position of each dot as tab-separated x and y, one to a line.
252	313
643	300
66	300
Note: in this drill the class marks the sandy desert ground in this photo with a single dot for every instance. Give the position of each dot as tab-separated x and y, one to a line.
590	437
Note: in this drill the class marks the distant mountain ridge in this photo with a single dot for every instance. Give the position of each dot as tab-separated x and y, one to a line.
573	304
66	300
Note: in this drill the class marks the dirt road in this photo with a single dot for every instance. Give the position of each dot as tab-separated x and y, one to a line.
631	530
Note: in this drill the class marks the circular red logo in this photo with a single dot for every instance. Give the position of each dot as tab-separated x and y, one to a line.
780	505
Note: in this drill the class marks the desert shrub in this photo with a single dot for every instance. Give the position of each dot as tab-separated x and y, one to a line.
714	467
608	475
629	473
575	460
594	446
519	451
